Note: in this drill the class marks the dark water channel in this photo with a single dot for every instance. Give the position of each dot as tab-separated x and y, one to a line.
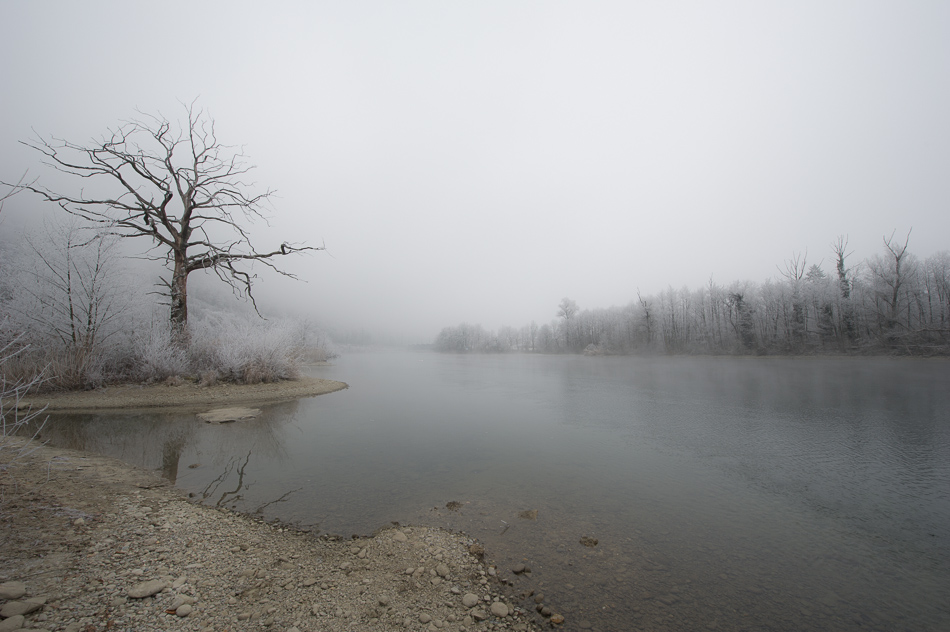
724	493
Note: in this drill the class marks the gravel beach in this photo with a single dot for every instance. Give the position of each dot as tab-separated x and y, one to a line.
91	544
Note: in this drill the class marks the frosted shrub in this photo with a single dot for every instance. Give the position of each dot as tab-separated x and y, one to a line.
68	368
312	342
13	419
156	357
234	349
76	368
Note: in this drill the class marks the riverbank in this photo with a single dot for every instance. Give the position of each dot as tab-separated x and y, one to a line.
184	395
90	543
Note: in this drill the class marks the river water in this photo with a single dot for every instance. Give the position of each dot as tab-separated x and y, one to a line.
723	493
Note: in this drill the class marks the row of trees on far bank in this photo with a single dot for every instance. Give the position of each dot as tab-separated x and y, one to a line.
892	303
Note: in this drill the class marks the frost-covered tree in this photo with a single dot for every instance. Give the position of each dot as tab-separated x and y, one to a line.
68	289
173	185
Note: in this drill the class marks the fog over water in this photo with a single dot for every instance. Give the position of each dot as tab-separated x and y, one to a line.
480	161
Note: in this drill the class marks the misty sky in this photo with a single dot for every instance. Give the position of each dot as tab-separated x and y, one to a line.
478	161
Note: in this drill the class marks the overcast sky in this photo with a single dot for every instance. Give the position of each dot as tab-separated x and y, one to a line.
478	161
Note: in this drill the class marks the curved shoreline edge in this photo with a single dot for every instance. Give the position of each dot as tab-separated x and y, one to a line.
189	395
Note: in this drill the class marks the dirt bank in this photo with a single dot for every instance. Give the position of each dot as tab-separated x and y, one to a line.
185	395
88	544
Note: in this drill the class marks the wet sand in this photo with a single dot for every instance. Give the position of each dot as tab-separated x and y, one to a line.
187	395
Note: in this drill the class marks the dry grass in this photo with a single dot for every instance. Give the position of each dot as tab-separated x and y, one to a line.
222	348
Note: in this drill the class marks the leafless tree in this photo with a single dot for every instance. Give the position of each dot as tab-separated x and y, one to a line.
68	290
891	274
566	310
175	185
796	324
845	281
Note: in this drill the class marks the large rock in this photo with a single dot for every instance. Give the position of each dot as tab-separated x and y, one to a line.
146	589
227	415
13	608
12	590
15	622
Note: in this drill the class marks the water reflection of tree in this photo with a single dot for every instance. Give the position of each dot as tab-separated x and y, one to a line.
158	440
171	455
222	448
165	441
262	436
213	486
234	496
146	439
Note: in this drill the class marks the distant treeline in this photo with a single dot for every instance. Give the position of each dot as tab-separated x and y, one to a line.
891	303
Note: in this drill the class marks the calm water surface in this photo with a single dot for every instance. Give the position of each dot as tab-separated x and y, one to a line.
725	493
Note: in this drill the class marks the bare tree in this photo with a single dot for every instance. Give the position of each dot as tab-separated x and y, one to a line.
897	279
175	185
69	290
845	281
891	273
566	310
796	325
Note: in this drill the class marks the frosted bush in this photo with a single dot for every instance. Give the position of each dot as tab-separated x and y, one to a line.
13	418
156	356
239	349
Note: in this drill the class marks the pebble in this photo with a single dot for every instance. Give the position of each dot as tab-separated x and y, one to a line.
469	600
146	589
399	536
184	610
181	600
499	609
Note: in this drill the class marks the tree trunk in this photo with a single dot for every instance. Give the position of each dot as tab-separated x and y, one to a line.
179	299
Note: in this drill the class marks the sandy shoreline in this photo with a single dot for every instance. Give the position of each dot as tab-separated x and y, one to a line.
188	395
83	537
